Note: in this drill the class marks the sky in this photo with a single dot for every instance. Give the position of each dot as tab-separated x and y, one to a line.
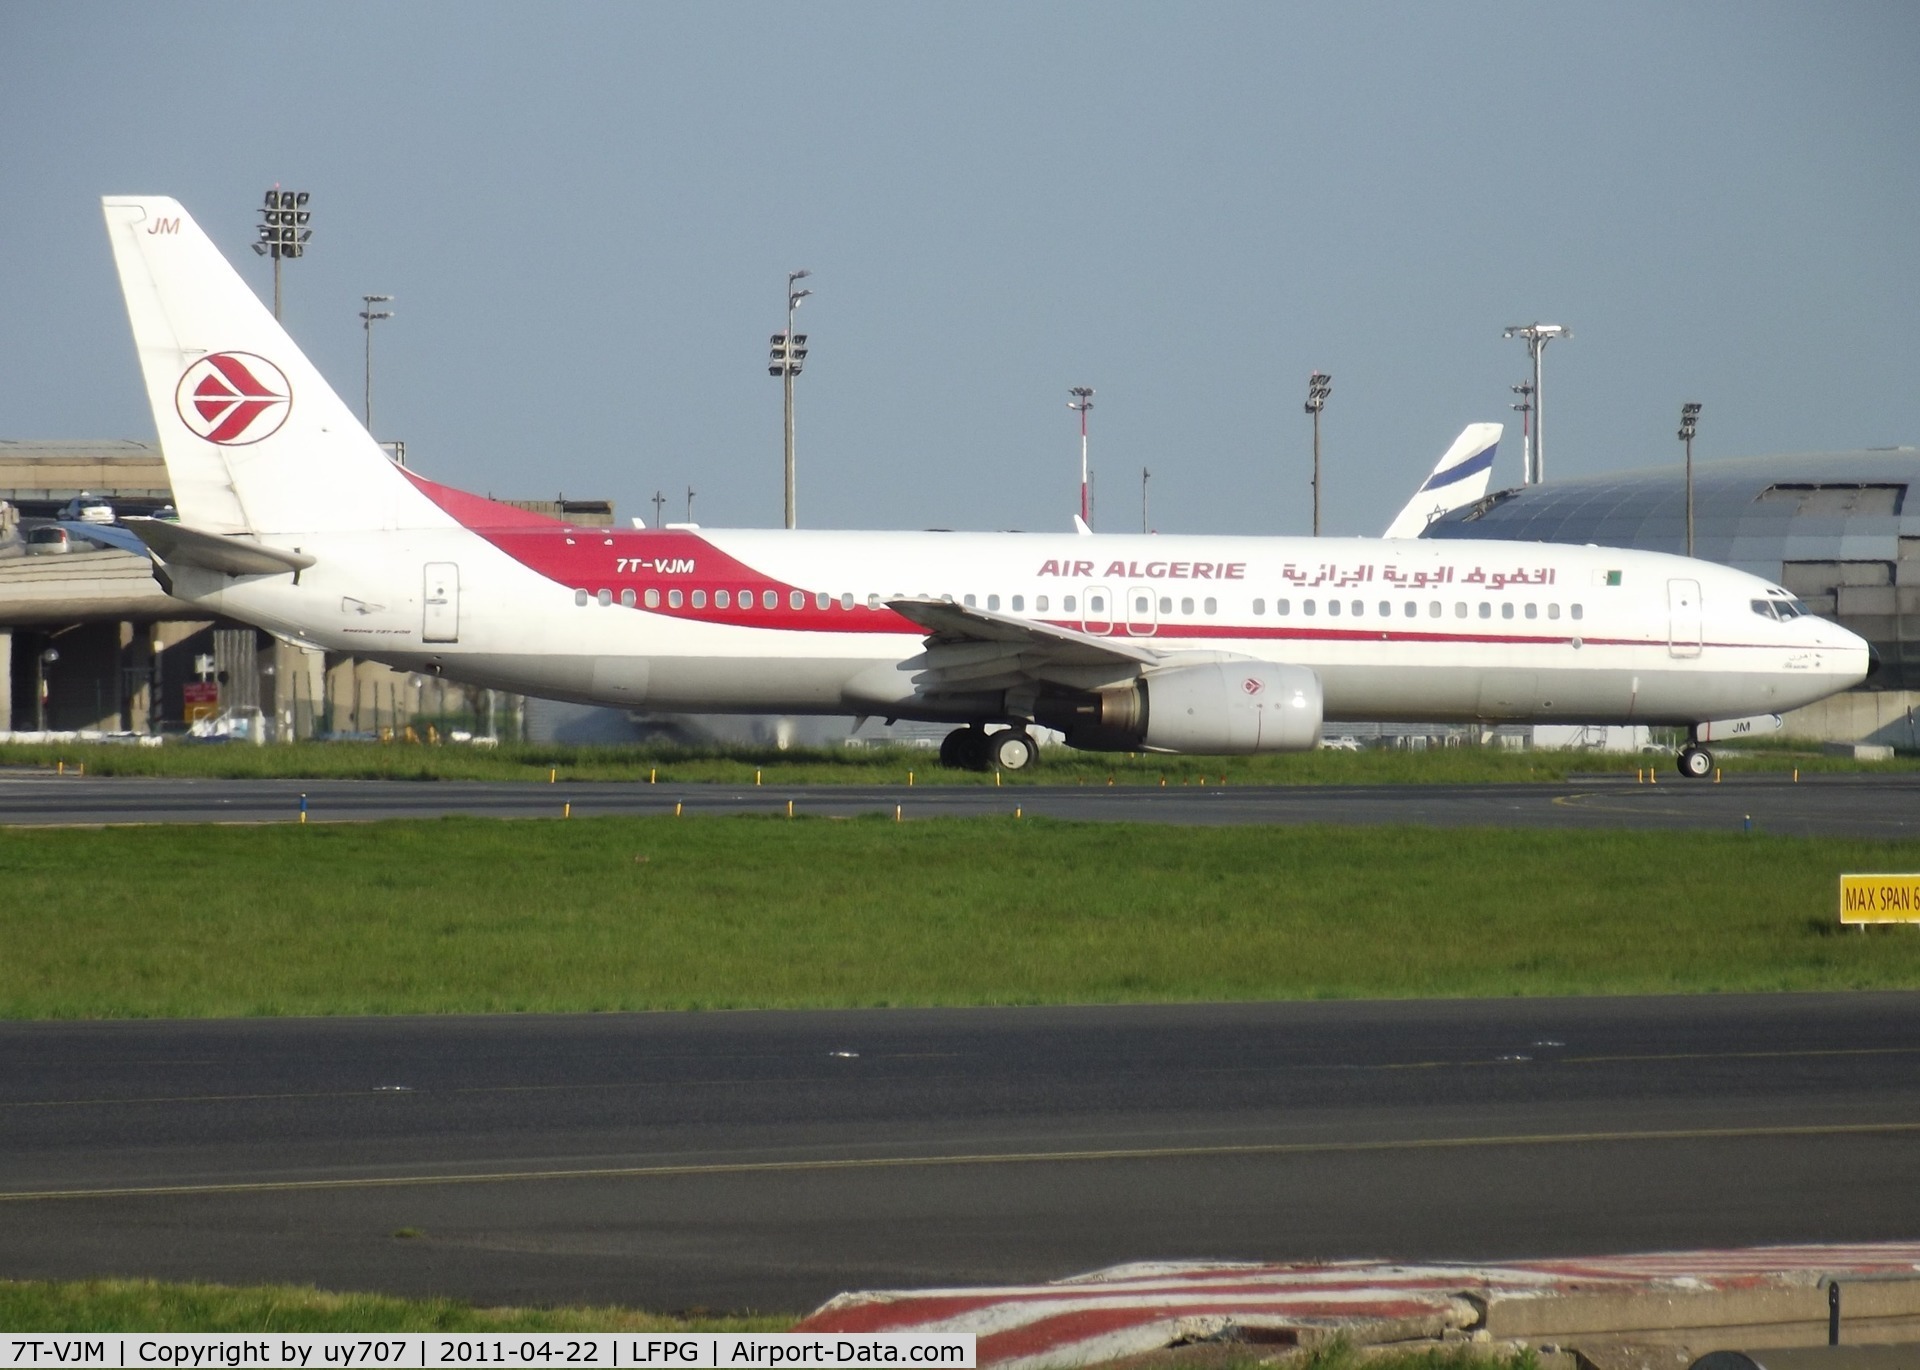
585	214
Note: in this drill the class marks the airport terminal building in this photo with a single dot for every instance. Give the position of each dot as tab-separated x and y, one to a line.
1836	528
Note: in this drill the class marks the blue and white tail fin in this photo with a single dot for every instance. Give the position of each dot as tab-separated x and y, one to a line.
255	440
1460	479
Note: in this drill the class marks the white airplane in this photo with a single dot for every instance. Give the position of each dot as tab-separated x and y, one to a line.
292	518
1460	478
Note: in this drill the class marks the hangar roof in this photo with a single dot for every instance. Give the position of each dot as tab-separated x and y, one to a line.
1750	512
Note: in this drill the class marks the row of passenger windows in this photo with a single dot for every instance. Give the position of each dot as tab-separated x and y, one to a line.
1411	609
1096	604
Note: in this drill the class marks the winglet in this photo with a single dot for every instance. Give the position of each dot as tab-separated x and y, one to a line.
1460	478
1080	527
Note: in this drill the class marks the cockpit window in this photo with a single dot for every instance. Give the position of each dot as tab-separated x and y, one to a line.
1782	609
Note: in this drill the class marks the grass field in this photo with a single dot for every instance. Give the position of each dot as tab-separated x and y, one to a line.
468	915
875	765
149	1306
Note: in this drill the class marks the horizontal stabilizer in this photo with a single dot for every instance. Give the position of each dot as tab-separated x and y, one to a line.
1461	477
236	556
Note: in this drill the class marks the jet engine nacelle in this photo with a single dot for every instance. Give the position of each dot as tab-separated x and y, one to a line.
1216	709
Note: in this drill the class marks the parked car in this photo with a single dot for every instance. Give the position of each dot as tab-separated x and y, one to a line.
48	541
87	507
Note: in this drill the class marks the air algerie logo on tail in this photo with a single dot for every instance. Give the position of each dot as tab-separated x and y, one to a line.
233	398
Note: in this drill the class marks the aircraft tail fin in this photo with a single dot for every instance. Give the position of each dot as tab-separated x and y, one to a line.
255	440
1460	478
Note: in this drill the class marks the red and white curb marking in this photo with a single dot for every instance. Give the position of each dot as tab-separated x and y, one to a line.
1130	1309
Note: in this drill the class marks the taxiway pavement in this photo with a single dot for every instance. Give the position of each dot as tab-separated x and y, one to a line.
1851	805
769	1160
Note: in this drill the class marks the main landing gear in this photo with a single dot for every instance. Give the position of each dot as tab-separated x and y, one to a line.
975	749
1696	762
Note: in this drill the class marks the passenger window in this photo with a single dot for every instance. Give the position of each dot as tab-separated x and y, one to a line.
1533	611
1186	606
967	600
1553	611
699	599
1040	604
1459	608
674	599
1019	603
1282	608
993	601
1096	604
1306	607
721	599
1506	609
1413	610
605	597
1333	607
1067	604
1386	609
822	600
1433	609
1358	608
1576	611
846	599
1142	604
579	596
1211	605
769	599
873	601
1259	607
653	599
626	599
1166	605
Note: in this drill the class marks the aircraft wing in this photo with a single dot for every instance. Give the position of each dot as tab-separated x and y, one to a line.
978	649
1460	478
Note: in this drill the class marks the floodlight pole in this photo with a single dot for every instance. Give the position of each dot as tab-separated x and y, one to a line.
1319	386
283	232
367	318
789	354
1081	402
1145	475
689	504
1525	407
1689	420
1538	335
658	500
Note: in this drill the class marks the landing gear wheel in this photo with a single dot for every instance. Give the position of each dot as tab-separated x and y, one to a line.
1012	750
953	749
965	749
1696	763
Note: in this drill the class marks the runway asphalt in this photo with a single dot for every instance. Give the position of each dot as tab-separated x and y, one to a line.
769	1160
1857	805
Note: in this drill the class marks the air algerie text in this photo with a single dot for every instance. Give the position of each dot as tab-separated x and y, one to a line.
1149	570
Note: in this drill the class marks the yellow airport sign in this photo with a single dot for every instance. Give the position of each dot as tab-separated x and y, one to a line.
1880	899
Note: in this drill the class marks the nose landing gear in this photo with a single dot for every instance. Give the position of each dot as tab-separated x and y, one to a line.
1696	762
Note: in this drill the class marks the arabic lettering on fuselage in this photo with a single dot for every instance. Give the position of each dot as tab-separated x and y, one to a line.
1327	575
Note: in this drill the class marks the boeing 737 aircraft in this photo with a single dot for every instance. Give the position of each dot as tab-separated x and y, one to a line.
292	518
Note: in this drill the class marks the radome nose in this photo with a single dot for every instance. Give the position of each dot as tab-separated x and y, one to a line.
1873	661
